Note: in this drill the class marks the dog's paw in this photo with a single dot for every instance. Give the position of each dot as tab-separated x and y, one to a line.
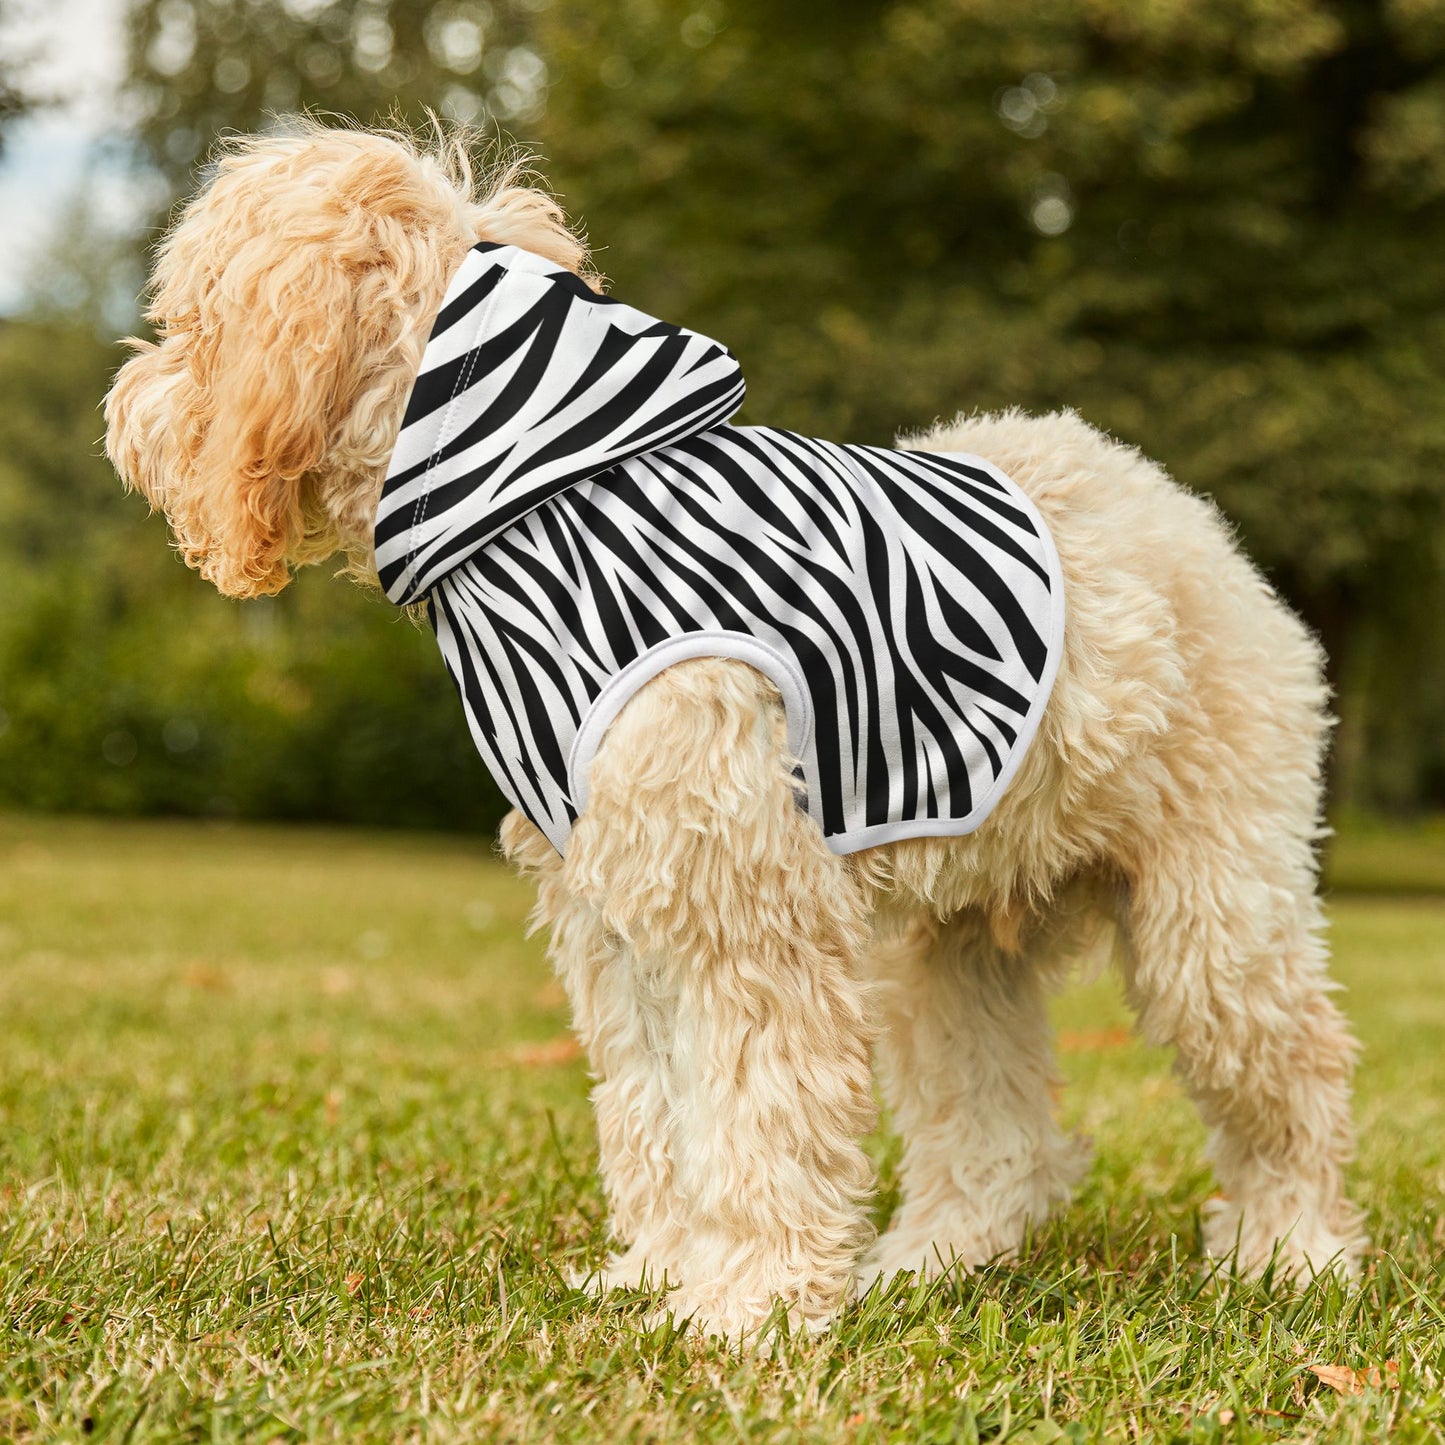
633	1270
757	1325
965	1229
957	1243
897	1254
1298	1246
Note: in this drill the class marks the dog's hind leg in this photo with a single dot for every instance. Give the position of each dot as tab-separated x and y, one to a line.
741	930
966	1059
1225	961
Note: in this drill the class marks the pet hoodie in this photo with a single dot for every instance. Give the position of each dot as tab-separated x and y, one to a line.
568	496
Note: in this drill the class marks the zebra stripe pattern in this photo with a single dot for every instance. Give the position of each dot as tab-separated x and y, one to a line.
524	388
567	496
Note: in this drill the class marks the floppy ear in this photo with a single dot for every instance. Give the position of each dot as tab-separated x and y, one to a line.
269	354
219	424
147	403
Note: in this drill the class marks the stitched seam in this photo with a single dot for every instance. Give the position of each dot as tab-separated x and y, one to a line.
419	509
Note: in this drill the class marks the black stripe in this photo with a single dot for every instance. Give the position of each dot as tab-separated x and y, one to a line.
1026	639
473	699
456	309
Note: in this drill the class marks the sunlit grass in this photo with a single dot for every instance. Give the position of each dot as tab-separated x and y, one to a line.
283	1154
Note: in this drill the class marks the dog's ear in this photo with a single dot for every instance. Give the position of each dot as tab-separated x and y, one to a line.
276	344
221	423
144	412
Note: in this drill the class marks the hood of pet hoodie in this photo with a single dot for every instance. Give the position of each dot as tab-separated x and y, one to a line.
568	497
530	383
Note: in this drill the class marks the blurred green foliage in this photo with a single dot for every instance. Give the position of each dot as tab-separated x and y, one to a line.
1214	227
128	686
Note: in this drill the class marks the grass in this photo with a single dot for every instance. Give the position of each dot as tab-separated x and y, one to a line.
290	1149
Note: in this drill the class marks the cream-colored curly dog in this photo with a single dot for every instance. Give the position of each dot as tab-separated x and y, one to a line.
730	976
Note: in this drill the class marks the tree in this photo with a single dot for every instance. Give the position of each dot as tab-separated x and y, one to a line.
127	685
202	67
1217	230
15	98
1216	227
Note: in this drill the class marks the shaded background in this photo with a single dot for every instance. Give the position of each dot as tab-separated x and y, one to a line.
1214	227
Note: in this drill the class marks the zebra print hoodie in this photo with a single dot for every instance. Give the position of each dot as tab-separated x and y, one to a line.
568	495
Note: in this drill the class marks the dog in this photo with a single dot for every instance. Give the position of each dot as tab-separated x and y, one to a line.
731	975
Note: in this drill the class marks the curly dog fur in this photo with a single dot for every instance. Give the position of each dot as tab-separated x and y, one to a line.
731	978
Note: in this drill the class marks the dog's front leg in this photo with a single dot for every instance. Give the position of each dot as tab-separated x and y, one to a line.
735	932
622	1012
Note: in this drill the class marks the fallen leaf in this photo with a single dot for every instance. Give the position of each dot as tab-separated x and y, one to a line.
1347	1381
1096	1041
554	1051
202	975
551	995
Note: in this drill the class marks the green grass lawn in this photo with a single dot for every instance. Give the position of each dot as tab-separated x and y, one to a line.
291	1147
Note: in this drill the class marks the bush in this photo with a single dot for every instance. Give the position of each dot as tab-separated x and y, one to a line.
227	709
